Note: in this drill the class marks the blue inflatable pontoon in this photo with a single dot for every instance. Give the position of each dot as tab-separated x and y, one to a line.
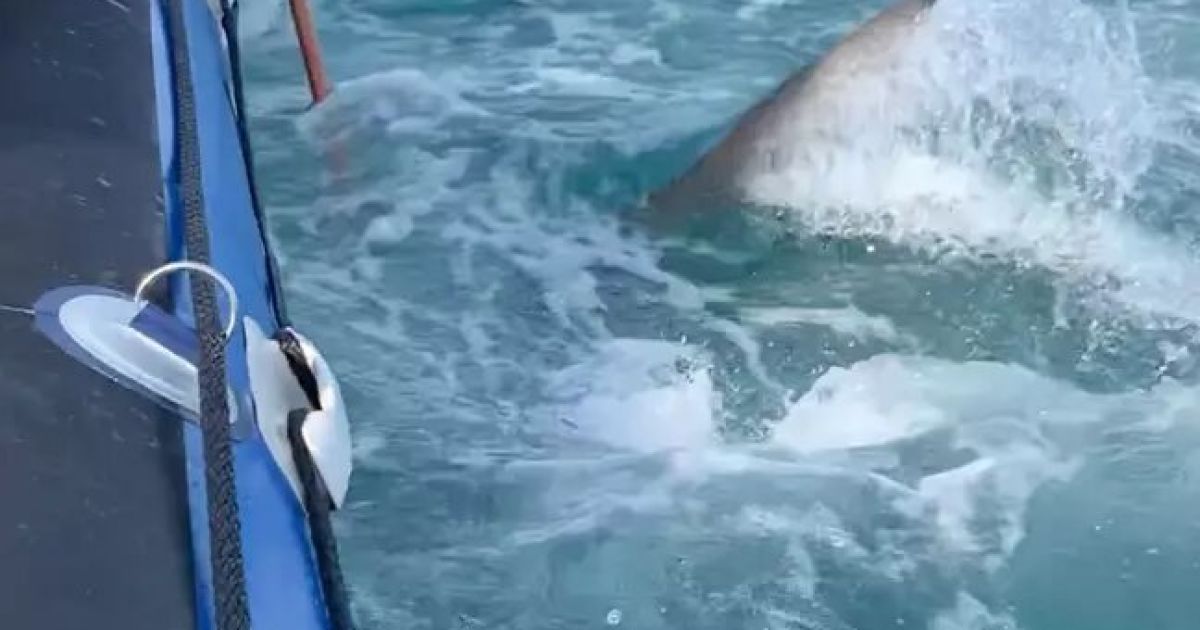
170	448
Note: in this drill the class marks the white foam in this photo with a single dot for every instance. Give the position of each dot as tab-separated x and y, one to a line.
579	82
996	411
627	54
755	9
893	397
848	321
801	578
402	99
644	398
388	229
969	613
1006	480
639	395
953	492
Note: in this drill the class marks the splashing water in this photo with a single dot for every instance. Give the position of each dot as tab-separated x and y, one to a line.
1019	134
950	384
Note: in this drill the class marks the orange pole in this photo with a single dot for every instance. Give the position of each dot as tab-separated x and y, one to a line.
310	48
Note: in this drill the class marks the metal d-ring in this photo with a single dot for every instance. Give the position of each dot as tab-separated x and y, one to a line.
190	265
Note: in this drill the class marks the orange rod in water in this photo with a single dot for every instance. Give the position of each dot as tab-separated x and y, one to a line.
318	81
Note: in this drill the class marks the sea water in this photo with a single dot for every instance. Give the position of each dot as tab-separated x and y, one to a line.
949	381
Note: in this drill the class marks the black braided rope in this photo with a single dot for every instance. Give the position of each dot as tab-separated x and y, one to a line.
229	24
224	525
318	504
298	363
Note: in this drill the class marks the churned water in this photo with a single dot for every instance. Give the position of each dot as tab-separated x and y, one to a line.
953	386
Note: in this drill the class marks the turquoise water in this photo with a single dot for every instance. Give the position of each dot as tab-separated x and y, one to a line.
953	385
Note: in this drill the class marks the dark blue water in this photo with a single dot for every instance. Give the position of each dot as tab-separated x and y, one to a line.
952	387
